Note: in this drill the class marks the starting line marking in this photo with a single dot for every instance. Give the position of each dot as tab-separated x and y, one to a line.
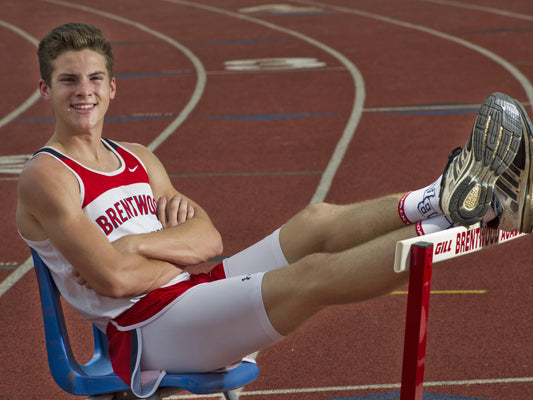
276	64
13	164
8	265
280	9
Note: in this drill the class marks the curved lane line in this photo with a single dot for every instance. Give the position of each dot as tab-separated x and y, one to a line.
482	8
357	109
526	84
30	101
359	89
28	264
13	278
200	70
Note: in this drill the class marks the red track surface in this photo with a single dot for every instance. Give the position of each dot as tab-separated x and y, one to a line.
253	174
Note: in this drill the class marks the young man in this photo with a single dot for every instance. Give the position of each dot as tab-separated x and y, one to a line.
117	236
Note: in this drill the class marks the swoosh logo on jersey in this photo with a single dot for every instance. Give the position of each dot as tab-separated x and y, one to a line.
133	169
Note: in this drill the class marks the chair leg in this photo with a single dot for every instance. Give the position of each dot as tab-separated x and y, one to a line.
231	395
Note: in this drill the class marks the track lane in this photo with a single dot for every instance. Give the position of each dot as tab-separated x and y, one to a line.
350	183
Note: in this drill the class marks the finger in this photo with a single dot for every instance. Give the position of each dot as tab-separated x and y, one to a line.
161	210
173	210
190	212
183	211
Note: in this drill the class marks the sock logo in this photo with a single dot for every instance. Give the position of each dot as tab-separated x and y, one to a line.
425	207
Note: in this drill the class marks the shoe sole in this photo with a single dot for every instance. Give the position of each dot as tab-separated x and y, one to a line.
494	142
526	212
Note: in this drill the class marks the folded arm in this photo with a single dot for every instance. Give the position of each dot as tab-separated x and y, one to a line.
49	208
189	236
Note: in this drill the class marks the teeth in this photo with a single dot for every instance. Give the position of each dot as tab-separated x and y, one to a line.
83	106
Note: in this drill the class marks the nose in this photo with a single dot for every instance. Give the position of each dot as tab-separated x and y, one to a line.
84	88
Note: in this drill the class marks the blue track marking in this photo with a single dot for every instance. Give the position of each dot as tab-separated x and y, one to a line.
268	117
152	74
238	41
432	112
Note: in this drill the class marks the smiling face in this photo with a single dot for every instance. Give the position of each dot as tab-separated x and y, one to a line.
80	91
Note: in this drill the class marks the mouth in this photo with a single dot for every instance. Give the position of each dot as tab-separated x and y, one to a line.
83	107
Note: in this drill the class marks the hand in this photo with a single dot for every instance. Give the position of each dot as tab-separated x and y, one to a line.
173	212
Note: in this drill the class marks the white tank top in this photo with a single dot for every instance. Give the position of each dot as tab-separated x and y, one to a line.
120	202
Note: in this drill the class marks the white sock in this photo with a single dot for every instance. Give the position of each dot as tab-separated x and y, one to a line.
421	204
432	225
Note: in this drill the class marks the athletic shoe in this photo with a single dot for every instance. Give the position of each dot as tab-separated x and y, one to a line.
467	187
513	188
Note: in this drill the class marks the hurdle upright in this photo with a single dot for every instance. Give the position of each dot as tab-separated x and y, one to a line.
416	321
418	255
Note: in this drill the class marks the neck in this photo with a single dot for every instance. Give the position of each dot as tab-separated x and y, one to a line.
86	149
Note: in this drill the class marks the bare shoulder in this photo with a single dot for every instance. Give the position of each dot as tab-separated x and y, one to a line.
146	155
41	172
136	148
44	188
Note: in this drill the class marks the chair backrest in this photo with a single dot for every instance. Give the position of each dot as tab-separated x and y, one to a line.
96	376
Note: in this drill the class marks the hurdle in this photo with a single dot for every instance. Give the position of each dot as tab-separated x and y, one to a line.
418	256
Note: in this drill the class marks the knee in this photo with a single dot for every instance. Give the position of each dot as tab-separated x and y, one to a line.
320	220
318	213
308	231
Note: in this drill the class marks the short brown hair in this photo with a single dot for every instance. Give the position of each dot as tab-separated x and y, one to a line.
72	36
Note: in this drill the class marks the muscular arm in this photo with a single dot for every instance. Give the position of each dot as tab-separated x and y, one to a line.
49	207
189	236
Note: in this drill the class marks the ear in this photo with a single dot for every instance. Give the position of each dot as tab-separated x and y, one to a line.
44	89
113	88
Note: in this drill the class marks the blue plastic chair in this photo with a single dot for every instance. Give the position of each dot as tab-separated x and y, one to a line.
97	377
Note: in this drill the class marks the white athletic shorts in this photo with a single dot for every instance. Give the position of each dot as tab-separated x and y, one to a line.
215	324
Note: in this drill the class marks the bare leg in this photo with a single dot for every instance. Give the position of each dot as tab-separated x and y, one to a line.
332	228
295	293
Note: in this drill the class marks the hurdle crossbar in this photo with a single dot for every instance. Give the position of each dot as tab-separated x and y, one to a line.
452	243
418	255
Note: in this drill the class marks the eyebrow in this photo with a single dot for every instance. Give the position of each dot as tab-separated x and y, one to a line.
67	74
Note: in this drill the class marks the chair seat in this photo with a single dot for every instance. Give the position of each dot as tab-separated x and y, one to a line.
214	382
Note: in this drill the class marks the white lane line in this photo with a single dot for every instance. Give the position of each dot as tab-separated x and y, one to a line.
30	101
483	8
7	283
199	68
13	164
365	387
357	109
515	72
359	93
195	98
